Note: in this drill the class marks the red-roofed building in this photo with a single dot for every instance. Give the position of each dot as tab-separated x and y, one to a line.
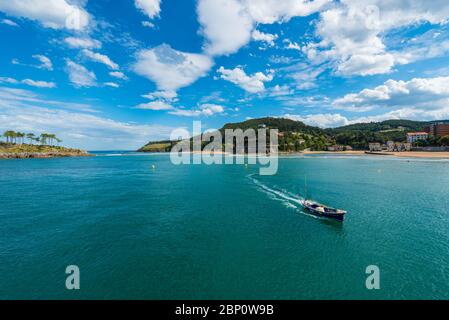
413	137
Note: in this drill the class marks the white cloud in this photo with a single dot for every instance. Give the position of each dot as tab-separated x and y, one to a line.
9	22
100	58
151	8
56	14
79	75
111	84
265	37
156	106
118	75
278	91
148	24
271	11
431	93
164	95
24	111
352	32
292	45
8	80
39	84
29	82
85	43
251	84
45	62
320	120
203	110
228	24
171	69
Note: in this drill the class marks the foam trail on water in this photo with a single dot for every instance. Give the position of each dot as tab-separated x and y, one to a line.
289	199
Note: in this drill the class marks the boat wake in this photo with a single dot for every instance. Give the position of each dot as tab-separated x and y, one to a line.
288	199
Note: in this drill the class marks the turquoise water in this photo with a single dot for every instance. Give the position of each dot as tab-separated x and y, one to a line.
222	232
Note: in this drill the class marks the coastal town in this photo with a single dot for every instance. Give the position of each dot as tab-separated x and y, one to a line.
434	138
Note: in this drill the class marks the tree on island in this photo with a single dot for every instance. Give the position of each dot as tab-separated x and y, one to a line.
31	137
19	138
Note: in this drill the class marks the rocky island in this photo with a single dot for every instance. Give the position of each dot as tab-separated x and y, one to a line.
13	151
38	147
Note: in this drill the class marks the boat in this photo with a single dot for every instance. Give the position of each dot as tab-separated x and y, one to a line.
321	210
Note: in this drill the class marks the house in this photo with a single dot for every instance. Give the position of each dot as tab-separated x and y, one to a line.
375	147
398	146
336	148
413	137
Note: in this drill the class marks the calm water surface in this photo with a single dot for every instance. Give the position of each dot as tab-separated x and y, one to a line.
222	232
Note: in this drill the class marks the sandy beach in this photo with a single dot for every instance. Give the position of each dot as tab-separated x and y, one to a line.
411	154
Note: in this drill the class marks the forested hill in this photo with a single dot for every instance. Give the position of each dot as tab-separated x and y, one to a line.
297	136
359	135
408	125
283	125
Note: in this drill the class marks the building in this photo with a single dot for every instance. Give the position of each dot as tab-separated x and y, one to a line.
398	146
413	137
439	129
390	146
375	147
336	148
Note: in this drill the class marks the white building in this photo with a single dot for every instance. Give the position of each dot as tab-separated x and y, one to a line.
412	137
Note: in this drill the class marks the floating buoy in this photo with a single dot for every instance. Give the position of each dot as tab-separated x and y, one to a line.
153	167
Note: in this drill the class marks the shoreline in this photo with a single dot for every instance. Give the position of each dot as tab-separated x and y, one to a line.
42	155
26	151
409	154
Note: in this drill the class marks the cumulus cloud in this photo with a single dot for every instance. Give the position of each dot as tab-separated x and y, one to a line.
151	8
327	120
79	76
352	32
100	58
83	43
271	11
56	14
155	105
430	93
171	69
268	38
228	24
203	110
251	84
148	24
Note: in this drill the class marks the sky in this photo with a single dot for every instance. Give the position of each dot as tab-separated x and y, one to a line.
113	75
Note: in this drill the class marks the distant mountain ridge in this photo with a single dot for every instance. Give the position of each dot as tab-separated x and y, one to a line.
297	136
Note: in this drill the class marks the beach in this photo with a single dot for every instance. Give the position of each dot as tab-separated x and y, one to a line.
411	154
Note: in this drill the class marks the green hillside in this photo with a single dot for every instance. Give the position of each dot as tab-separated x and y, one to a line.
297	136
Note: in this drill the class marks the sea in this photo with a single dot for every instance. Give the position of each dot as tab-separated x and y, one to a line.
137	226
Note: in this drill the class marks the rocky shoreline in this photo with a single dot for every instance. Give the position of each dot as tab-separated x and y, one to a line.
42	155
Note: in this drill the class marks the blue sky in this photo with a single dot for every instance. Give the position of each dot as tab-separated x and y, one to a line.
114	74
